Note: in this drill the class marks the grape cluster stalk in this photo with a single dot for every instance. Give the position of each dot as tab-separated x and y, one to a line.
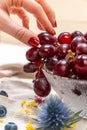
65	55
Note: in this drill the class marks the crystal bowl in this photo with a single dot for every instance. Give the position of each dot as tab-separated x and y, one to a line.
73	92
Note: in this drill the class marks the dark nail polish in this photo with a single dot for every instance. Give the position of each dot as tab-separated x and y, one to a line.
33	41
53	32
55	24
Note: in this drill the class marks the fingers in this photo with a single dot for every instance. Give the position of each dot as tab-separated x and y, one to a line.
22	14
39	25
49	11
37	10
21	33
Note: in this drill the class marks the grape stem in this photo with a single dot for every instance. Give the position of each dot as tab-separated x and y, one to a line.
40	67
71	56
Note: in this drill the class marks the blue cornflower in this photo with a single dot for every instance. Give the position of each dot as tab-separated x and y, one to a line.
53	114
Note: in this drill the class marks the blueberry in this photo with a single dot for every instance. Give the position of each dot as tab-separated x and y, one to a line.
11	126
3	93
3	111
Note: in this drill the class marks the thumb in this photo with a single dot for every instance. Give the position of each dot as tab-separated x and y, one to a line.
21	33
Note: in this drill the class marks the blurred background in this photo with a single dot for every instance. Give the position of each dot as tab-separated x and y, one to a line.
71	15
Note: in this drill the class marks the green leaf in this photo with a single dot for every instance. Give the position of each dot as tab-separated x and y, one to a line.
77	114
35	119
75	118
70	124
38	128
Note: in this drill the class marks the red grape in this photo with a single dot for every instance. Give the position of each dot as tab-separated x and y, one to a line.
46	38
81	48
51	62
33	54
61	68
63	50
76	33
30	67
76	41
42	87
64	37
80	64
46	51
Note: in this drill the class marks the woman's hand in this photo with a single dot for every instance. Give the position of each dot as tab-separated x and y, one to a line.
43	13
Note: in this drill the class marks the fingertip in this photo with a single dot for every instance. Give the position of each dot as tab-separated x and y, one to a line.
33	41
52	32
55	24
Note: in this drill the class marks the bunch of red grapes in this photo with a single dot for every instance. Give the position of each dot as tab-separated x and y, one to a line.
65	55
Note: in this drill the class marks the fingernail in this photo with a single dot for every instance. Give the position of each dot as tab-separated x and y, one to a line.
53	32
33	41
55	24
